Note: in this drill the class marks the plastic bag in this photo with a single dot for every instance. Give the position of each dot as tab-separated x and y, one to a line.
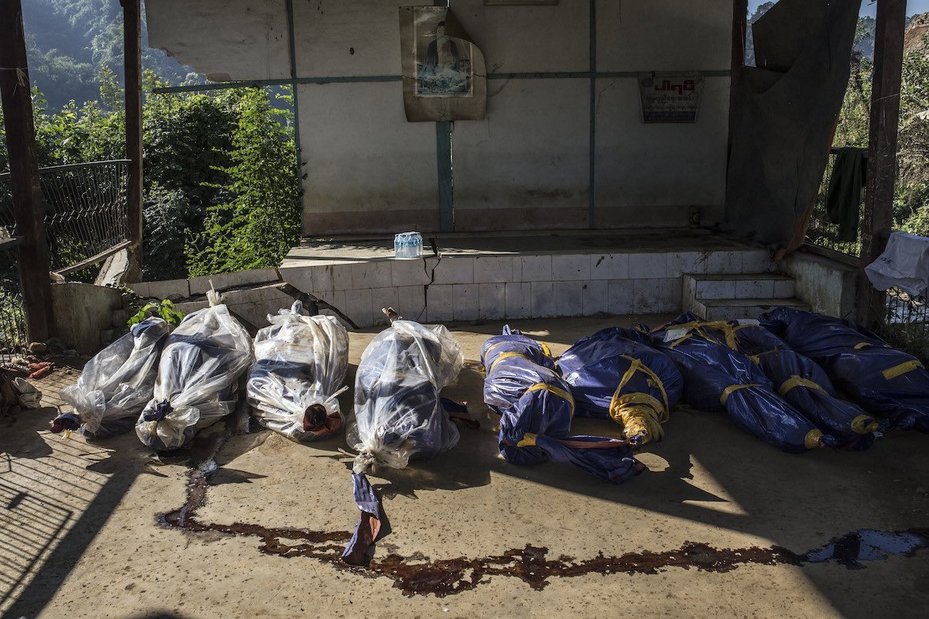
615	374
198	374
885	381
398	411
805	385
718	378
536	408
747	336
115	384
300	366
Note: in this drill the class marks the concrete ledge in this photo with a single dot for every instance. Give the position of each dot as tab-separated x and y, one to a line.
166	289
830	287
83	312
488	286
221	281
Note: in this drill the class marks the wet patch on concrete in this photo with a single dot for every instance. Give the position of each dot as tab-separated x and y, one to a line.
418	575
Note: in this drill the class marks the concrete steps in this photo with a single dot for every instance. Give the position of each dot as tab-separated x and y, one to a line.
744	295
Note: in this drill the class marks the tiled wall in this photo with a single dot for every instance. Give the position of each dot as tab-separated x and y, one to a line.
474	287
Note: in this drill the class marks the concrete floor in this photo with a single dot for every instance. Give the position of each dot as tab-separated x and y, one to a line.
338	249
78	521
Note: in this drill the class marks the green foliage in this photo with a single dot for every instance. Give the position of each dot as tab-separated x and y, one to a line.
221	191
911	198
852	129
260	219
67	42
164	310
911	202
168	224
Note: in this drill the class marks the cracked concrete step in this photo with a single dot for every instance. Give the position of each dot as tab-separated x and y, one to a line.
738	286
734	309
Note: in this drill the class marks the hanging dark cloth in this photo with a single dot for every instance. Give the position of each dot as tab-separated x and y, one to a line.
783	117
843	201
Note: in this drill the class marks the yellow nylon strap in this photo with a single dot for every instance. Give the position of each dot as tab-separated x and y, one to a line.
756	359
864	424
636	365
528	440
901	369
506	355
728	391
681	339
490	348
545	350
813	439
861	345
640	415
728	329
798	381
561	393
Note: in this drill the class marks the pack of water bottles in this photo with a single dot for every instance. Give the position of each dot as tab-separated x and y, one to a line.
408	245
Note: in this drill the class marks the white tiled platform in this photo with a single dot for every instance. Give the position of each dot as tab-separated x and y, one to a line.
505	277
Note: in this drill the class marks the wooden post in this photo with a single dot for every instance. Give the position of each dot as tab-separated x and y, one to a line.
132	62
28	208
737	62
882	150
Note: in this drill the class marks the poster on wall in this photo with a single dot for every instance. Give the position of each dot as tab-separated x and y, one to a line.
443	62
443	70
670	97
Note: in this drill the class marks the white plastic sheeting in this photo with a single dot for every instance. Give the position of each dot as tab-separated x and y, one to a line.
118	381
398	410
300	366
904	264
198	373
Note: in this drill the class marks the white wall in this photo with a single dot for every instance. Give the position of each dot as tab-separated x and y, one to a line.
364	160
226	39
527	165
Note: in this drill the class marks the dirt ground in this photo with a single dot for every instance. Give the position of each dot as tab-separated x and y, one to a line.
79	537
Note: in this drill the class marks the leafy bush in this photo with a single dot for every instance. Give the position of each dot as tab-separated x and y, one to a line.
164	309
221	187
259	221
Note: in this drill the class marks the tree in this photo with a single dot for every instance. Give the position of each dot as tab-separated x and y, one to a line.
221	191
260	221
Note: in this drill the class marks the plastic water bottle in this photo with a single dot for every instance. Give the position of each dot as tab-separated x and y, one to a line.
408	245
404	245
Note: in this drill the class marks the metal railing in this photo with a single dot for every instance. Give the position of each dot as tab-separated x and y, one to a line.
12	319
86	220
85	211
905	322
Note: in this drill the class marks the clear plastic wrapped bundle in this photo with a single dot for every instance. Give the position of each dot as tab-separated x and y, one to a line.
115	384
399	414
198	374
300	365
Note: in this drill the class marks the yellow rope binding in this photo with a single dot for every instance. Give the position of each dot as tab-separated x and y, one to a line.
506	355
700	327
798	381
728	391
640	414
561	393
901	369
